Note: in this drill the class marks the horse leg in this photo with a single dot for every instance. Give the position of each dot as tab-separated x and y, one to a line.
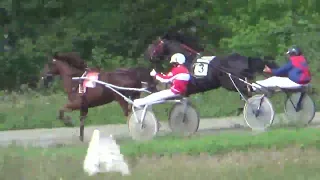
124	105
248	94
66	119
84	108
240	110
133	96
249	88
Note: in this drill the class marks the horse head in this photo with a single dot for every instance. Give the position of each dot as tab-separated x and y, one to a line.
48	72
62	64
156	51
162	49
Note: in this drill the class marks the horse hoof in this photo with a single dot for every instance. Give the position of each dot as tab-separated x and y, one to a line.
239	111
237	126
81	138
69	124
159	126
68	121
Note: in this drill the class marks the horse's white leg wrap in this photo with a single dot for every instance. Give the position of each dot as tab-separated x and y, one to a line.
154	97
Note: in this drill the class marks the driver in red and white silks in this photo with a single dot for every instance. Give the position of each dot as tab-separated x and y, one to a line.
179	76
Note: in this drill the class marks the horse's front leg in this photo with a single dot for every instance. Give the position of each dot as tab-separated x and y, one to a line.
84	108
246	91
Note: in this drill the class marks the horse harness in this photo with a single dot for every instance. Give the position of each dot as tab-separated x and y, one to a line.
200	69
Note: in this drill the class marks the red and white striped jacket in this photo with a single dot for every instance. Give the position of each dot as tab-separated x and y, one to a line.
179	76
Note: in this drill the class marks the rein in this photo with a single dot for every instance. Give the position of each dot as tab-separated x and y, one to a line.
189	49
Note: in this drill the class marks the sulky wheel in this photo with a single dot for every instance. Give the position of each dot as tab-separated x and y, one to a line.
142	131
183	119
258	112
304	112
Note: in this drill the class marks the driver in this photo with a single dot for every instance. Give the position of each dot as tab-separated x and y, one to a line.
179	76
292	75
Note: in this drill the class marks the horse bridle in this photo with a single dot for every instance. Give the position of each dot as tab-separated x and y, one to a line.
189	49
184	46
157	48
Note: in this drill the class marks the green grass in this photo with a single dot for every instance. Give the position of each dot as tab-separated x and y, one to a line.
226	156
32	110
37	111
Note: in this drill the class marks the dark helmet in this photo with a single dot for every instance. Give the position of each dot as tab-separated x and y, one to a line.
294	51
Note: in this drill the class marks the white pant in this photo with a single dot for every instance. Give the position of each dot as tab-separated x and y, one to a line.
274	81
154	97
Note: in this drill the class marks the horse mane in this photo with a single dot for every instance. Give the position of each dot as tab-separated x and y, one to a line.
71	58
190	41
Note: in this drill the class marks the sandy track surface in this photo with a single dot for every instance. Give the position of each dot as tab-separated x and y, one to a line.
51	137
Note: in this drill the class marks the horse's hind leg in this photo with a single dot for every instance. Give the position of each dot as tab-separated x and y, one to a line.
124	105
133	96
66	119
70	106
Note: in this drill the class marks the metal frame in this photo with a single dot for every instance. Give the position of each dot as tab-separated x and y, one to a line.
147	106
230	77
303	92
116	90
234	84
297	107
288	92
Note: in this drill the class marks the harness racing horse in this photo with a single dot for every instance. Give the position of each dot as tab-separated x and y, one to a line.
143	73
87	94
219	69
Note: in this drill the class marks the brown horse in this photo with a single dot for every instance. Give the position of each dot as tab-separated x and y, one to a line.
70	65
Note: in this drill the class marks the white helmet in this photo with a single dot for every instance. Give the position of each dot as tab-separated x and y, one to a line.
178	58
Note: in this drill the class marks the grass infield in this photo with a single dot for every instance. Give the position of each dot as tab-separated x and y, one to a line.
159	157
32	110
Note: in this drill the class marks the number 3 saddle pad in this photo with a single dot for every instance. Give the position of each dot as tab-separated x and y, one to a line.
201	66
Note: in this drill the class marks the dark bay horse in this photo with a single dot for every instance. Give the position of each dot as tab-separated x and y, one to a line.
69	65
239	66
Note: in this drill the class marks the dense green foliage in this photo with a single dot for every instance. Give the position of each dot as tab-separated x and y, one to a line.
115	33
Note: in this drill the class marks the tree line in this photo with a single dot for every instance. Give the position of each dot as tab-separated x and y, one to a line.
110	33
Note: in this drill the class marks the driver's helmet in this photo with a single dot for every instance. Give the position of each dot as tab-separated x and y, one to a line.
294	51
178	58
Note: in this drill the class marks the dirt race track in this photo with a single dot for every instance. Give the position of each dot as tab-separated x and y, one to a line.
52	137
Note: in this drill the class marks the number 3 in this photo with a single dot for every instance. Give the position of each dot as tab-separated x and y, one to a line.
201	68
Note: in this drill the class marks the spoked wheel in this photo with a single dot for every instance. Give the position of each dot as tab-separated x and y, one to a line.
183	119
145	130
258	112
302	112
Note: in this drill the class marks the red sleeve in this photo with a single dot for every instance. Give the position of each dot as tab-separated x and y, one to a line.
165	76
